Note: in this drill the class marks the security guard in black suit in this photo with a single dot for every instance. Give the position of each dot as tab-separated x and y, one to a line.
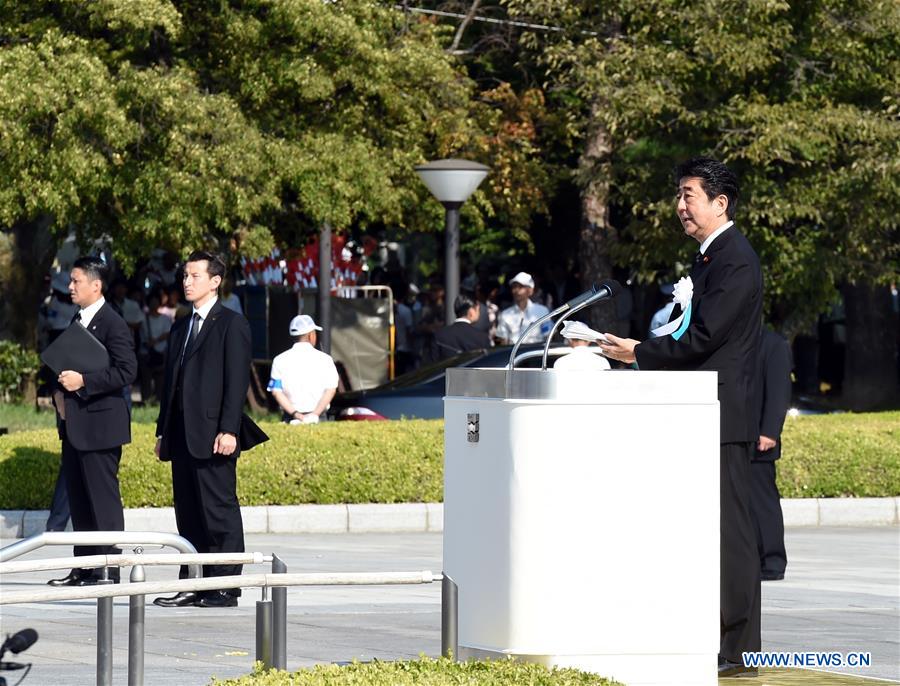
765	500
721	334
461	335
207	374
94	420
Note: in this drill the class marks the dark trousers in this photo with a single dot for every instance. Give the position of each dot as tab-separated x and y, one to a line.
59	506
768	520
92	481
739	583
206	506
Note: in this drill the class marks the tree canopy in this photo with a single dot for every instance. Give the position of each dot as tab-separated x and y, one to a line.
800	98
236	125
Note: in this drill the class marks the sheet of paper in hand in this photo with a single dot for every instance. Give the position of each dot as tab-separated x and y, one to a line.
582	331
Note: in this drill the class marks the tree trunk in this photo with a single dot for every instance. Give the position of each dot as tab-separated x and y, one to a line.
870	380
28	252
596	235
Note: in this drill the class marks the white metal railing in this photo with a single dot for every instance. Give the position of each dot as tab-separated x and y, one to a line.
271	615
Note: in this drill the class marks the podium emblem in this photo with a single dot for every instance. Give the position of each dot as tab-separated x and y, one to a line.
472	427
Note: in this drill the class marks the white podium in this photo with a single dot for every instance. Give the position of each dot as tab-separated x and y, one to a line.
581	520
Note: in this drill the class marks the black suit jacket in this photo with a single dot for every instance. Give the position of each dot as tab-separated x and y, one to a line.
774	390
456	338
97	416
723	334
214	387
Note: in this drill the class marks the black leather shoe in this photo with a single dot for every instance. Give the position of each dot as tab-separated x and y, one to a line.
771	576
735	669
183	599
217	599
93	581
73	578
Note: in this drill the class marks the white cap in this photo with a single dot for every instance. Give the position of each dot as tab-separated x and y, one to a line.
302	324
523	278
60	282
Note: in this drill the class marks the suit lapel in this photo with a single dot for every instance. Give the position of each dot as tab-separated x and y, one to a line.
97	319
208	324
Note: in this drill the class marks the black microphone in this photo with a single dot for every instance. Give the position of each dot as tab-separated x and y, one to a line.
609	288
605	289
578	299
20	641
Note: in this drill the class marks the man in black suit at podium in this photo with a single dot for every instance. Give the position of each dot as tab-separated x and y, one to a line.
94	421
207	374
719	330
461	335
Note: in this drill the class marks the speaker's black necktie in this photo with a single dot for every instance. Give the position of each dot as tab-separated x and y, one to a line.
76	319
192	336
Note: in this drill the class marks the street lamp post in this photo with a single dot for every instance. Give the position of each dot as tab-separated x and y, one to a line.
451	182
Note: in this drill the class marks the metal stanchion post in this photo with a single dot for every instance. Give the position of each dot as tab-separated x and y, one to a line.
449	618
264	630
104	635
136	611
279	617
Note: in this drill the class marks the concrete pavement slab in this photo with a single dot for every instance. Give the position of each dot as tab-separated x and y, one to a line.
840	594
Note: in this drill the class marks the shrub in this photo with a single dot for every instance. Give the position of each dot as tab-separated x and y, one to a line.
827	456
392	462
18	369
422	672
340	462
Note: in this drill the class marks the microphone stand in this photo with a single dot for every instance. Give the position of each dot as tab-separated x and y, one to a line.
556	327
512	355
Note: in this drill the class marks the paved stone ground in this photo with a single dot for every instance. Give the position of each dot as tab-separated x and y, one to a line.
840	594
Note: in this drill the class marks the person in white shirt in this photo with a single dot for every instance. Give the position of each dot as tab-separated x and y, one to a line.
303	380
513	321
583	356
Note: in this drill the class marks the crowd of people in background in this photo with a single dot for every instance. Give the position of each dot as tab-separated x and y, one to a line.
151	300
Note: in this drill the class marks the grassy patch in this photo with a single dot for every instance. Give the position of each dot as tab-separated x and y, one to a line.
15	417
394	462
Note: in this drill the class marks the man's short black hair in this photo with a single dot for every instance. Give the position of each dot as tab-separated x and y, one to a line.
215	263
715	178
463	303
93	267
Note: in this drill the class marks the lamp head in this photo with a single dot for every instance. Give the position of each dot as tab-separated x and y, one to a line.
452	180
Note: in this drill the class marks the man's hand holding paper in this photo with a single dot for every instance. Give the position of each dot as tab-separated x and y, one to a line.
621	349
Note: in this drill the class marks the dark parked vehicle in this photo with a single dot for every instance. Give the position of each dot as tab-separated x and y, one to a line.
420	393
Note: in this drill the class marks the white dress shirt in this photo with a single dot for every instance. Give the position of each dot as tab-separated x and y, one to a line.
203	311
704	246
87	314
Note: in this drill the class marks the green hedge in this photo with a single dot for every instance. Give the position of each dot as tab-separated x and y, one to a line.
334	462
391	462
826	456
423	672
